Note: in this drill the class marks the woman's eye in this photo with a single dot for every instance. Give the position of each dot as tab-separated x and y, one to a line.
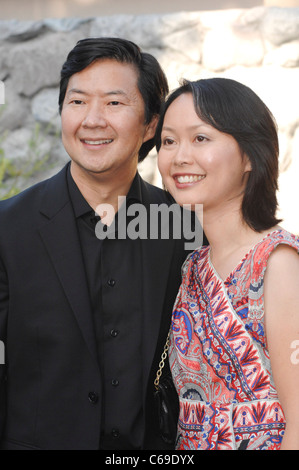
200	138
167	141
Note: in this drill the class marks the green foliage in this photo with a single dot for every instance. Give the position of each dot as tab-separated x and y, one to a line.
13	176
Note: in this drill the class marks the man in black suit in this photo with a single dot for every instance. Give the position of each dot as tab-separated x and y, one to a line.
84	318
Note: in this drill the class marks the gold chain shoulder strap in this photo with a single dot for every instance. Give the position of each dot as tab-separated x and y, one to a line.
162	362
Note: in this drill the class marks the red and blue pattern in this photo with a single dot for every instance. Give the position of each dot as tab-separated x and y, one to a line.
218	354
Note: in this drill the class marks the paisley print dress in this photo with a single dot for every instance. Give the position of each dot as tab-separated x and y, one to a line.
218	354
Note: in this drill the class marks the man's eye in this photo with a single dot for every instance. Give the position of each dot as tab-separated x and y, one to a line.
77	101
114	103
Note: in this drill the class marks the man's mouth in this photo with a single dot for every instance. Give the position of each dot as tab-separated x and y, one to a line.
97	142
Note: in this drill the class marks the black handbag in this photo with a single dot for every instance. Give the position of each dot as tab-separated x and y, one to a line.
167	401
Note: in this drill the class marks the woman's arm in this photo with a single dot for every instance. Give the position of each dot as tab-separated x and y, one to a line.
281	297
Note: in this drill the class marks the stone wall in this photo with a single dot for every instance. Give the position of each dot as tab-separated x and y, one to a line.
257	46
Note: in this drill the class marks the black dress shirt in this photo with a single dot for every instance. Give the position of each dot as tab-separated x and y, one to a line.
113	268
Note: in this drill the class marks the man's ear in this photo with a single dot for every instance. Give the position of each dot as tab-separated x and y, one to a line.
150	128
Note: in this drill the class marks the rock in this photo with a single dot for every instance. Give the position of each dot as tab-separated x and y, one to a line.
4	52
187	41
66	24
233	49
280	25
2	94
45	108
177	66
104	26
37	63
250	19
287	55
15	30
24	146
232	39
16	111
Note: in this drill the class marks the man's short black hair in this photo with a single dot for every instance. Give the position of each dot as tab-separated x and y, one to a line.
152	82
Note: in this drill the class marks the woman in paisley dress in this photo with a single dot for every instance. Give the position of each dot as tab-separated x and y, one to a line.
234	351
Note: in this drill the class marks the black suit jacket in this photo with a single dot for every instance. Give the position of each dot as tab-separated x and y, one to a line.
51	382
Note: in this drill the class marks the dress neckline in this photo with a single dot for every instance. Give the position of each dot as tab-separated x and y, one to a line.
239	264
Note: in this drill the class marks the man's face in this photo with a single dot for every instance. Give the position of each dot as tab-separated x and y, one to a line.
103	121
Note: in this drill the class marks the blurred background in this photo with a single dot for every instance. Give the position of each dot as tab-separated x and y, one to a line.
38	9
253	41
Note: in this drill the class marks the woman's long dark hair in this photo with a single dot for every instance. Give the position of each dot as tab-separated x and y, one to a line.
234	109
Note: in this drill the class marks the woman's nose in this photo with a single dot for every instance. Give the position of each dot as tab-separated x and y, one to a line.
183	155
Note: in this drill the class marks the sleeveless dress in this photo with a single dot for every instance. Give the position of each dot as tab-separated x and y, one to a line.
218	354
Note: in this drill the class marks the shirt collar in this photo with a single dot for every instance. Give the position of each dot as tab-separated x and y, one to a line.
81	206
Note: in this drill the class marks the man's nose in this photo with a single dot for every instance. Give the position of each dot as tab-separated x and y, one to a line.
94	117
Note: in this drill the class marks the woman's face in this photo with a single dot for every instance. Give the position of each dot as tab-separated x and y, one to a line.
198	163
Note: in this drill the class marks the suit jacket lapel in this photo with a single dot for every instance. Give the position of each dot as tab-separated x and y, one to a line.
60	236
